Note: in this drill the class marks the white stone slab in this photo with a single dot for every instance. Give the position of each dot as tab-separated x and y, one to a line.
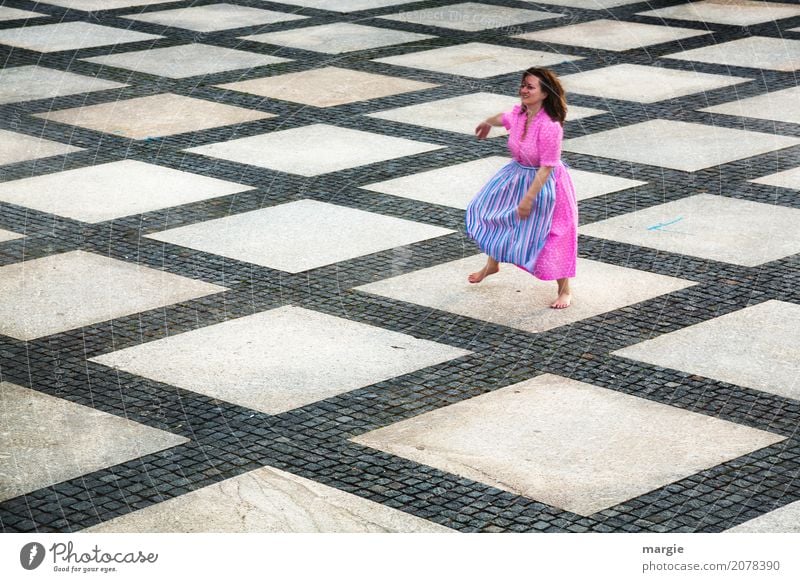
450	186
516	299
644	84
724	229
613	35
7	14
313	150
785	179
298	236
106	191
677	144
18	147
7	235
328	86
457	185
48	38
94	5
45	440
154	116
214	17
566	443
340	37
757	347
591	184
781	105
735	12
345	5
758	52
32	82
178	62
460	114
577	112
476	59
268	501
280	359
57	293
471	16
590	4
785	519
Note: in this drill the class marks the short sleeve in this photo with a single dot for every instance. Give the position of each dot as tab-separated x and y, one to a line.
509	116
549	142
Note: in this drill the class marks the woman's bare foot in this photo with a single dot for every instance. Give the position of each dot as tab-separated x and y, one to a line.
490	268
564	296
562	301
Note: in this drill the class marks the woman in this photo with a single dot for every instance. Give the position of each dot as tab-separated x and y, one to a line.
527	213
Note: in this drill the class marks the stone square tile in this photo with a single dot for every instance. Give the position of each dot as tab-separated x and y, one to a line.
314	149
154	116
781	105
40	297
450	186
612	35
785	519
757	347
179	62
644	84
262	361
591	184
112	190
477	59
456	185
339	86
31	82
516	299
46	440
213	17
461	114
566	443
785	179
7	14
677	144
94	5
345	5
299	236
724	229
268	500
589	4
737	12
7	235
758	52
336	38
471	16
63	36
18	147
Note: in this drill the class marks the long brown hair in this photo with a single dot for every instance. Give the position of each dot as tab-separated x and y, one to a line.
555	104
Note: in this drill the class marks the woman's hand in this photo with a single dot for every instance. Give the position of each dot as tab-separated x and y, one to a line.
524	208
482	130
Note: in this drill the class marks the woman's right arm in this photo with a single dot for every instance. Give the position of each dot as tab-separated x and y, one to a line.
485	126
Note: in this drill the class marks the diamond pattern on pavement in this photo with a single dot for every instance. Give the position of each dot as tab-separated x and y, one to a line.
233	269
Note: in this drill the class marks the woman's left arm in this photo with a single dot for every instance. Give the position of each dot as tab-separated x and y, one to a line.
526	204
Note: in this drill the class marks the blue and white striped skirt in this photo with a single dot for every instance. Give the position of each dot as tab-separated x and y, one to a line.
492	219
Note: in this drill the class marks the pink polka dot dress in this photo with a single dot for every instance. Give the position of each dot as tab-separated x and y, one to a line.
546	243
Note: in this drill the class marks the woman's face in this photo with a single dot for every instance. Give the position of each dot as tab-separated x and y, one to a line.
530	92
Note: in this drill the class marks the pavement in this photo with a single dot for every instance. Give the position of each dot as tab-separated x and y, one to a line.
233	266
